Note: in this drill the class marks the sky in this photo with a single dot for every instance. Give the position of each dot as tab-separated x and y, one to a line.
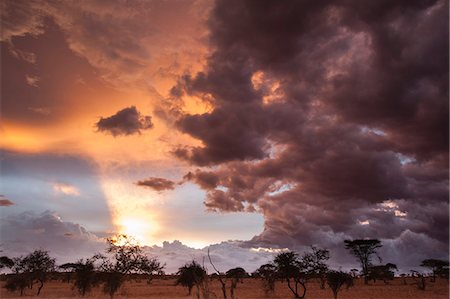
245	127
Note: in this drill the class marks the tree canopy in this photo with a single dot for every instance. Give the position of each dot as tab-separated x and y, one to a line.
439	267
363	250
190	275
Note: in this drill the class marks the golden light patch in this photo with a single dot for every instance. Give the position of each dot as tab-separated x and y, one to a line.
194	105
257	79
66	189
270	87
274	94
20	139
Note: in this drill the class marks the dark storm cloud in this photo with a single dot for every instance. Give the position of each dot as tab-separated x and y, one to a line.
158	184
127	121
330	118
223	136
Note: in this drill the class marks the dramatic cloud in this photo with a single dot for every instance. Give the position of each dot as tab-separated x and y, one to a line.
141	45
109	48
158	184
125	122
330	118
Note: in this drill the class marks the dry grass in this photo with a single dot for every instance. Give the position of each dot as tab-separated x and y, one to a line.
250	289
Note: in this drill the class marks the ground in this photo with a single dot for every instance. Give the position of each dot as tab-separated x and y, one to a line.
249	289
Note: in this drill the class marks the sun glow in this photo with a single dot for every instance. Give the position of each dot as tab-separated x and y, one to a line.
136	228
132	209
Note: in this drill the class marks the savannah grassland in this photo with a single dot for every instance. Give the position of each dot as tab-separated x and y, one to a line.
251	288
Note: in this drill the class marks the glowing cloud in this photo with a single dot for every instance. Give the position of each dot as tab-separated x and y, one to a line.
66	189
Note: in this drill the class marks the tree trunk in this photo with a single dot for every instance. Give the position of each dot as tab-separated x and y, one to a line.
292	290
335	294
198	291
365	270
233	287
40	287
323	279
366	279
224	289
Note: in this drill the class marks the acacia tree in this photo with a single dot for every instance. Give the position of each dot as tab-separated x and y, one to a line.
289	269
268	273
68	270
336	279
314	264
17	282
126	257
439	267
364	250
421	282
84	271
30	269
190	275
382	272
236	275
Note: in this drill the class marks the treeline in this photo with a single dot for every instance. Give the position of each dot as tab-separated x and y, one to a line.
124	259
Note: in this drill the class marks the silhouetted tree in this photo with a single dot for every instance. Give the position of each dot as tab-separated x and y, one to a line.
268	273
220	276
68	269
85	276
30	269
190	275
289	269
17	282
236	275
6	262
336	279
403	275
439	267
420	282
363	250
382	272
127	258
314	266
